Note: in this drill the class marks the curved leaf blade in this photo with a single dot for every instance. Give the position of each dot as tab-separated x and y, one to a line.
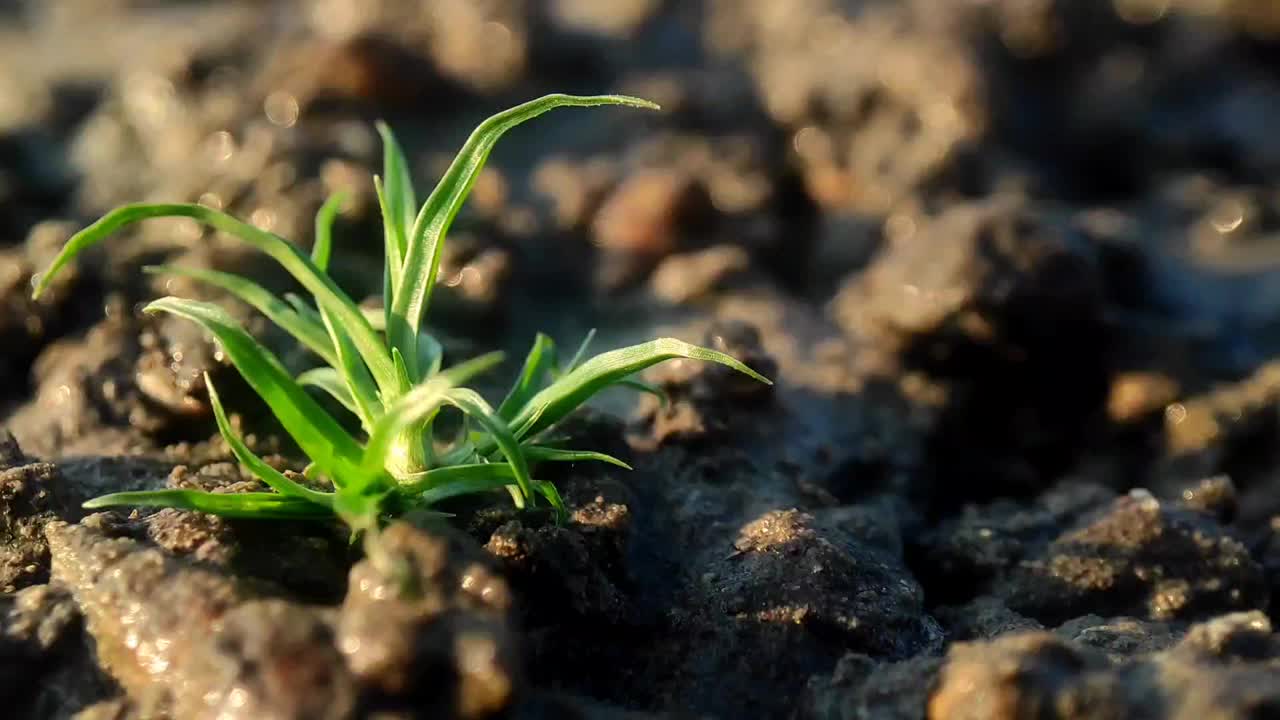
328	294
540	361
542	453
574	388
491	476
316	432
255	505
470	402
331	382
276	310
274	479
422	258
322	245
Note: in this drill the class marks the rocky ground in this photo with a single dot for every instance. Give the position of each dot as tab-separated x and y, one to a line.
1014	265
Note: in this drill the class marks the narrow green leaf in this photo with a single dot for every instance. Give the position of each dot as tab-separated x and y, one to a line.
274	479
468	486
277	311
418	483
542	453
644	387
375	317
581	352
401	198
330	381
570	391
422	258
254	505
467	369
328	295
430	355
303	308
322	246
402	369
549	491
361	387
392	234
540	360
470	402
316	432
394	242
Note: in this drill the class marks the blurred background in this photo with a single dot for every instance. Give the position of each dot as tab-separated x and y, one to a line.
1051	226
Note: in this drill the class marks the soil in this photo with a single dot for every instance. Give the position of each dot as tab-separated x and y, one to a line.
1015	267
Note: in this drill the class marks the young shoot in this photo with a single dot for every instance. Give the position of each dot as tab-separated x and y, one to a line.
384	368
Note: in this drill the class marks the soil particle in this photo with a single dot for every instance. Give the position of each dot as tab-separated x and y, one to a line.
31	494
305	560
431	638
978	546
556	568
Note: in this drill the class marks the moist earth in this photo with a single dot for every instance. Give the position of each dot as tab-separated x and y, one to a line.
1014	267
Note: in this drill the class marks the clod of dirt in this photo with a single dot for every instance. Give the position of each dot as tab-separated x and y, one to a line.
994	301
983	618
861	688
425	626
308	560
873	126
1142	557
647	217
117	388
269	659
1144	673
693	276
182	640
1222	668
1227	430
26	324
34	623
560	571
1077	551
31	494
1120	637
791	569
979	546
148	615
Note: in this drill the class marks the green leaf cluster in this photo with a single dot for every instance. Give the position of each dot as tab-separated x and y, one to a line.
385	368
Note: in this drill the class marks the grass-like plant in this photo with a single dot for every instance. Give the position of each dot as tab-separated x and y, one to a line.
384	367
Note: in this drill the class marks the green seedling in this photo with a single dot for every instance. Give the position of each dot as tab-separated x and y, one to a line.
384	367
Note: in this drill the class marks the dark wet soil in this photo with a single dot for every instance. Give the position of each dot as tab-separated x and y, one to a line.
1015	267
